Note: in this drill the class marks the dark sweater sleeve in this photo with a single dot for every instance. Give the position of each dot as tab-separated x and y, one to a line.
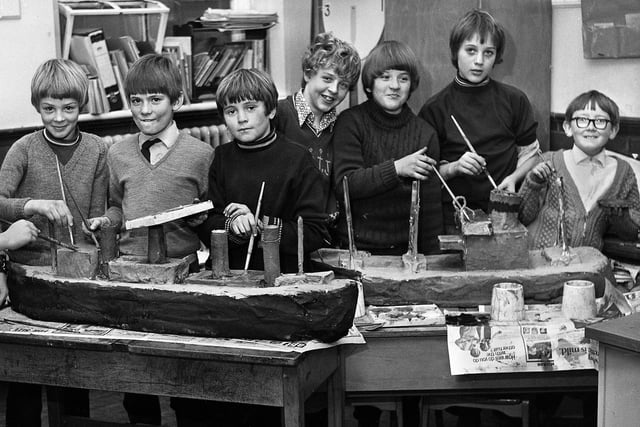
364	182
525	126
309	204
216	218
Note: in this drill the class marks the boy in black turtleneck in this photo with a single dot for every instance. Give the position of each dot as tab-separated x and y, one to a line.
293	185
381	147
497	118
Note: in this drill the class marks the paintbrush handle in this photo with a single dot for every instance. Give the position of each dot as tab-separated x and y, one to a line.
253	235
473	150
300	246
45	238
349	218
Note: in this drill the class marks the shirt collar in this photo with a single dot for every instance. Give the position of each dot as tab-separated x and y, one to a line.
305	115
581	158
168	136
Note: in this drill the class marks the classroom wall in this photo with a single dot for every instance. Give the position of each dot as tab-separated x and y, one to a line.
571	74
25	43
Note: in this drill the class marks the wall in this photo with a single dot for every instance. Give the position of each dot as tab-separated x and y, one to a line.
31	39
25	43
571	74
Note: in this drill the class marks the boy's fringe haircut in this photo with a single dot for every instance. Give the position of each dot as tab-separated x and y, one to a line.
589	100
247	85
154	73
59	78
327	51
390	55
477	22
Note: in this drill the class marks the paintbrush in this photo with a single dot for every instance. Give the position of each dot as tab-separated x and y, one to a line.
453	197
300	246
85	221
473	150
347	211
45	238
253	234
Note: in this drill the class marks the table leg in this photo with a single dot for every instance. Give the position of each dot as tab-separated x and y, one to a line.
293	404
335	397
55	406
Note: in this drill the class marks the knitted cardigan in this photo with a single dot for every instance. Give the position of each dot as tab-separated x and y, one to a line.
367	141
540	207
137	188
29	172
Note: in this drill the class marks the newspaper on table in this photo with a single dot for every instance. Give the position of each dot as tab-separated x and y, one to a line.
544	341
12	322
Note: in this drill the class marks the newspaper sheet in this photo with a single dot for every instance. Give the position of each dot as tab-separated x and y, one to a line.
12	322
544	341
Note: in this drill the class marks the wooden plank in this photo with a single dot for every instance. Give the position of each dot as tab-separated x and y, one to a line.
169	215
122	371
623	332
388	365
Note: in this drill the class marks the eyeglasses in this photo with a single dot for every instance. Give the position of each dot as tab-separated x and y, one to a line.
583	122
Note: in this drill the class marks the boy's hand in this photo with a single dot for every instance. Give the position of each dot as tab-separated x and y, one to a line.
243	225
415	165
19	234
508	184
541	173
470	164
96	224
234	209
55	210
195	220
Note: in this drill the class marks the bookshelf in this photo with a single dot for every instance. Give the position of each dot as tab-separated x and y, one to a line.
217	52
94	13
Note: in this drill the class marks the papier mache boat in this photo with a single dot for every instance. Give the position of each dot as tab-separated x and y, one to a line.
491	248
233	304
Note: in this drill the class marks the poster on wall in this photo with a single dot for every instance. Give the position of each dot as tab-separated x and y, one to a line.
611	28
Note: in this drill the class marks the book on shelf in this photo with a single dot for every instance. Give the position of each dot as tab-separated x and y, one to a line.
128	45
119	59
120	81
89	47
178	48
232	56
96	103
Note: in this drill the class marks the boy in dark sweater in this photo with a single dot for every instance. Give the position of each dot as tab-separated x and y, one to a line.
330	69
497	118
293	185
381	146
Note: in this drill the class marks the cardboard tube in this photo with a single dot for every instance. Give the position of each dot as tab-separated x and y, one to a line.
219	254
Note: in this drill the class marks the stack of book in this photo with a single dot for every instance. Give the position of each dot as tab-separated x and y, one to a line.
212	66
229	19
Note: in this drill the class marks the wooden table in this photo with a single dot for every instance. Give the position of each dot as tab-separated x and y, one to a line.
619	368
284	379
415	361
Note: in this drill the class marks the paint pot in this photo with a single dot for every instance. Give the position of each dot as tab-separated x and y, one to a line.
579	299
107	236
507	302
